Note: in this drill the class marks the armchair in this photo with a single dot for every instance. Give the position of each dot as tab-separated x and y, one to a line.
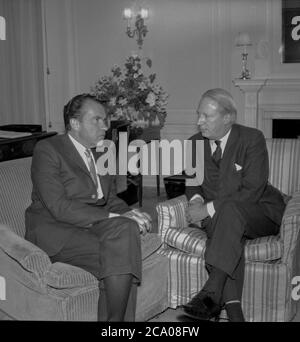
35	288
271	261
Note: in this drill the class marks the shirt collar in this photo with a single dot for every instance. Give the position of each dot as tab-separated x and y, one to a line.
223	139
79	147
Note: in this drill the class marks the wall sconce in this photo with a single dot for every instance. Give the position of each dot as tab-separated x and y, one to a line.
140	29
243	40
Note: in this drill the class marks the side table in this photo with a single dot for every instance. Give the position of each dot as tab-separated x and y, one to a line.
21	147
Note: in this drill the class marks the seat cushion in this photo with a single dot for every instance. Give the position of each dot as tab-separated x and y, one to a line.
193	241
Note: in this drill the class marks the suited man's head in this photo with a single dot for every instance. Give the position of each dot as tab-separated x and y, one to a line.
86	119
216	113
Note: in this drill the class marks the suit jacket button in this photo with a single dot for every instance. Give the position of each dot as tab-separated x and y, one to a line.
93	196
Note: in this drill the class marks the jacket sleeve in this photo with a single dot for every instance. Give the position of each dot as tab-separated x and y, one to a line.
114	203
255	173
191	190
49	188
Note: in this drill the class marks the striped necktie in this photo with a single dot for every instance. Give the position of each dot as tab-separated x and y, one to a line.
217	155
92	166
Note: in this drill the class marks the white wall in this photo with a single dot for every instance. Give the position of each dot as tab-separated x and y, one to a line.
180	42
279	95
191	44
188	42
59	59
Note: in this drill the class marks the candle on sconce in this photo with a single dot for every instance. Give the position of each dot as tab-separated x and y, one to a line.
127	13
144	13
136	23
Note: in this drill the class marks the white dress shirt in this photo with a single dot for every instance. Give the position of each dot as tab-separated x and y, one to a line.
223	140
213	146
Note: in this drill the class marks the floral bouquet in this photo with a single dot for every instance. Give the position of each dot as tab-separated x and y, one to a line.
131	95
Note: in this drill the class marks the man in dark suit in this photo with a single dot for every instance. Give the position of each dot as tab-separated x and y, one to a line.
234	202
75	215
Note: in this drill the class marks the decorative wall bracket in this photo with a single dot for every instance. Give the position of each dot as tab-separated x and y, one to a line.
140	29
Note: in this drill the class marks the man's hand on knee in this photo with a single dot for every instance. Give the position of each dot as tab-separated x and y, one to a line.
143	219
196	211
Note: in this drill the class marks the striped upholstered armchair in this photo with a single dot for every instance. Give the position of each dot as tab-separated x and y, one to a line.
271	262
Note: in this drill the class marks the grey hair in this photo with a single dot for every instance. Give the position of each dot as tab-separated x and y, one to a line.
224	100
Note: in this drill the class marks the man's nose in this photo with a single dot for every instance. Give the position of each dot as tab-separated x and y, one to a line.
103	125
201	120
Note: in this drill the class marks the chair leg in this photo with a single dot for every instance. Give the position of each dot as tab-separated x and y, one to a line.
140	190
158	185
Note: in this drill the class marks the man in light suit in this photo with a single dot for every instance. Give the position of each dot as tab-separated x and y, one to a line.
75	215
234	202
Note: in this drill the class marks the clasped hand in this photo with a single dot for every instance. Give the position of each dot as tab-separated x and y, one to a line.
196	211
143	219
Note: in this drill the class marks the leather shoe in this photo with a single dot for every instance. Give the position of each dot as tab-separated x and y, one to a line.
203	307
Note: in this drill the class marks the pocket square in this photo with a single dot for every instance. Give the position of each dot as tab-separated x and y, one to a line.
238	167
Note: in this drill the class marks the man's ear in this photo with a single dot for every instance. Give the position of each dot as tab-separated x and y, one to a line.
227	119
74	123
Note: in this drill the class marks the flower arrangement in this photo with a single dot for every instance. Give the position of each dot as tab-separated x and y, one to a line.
131	95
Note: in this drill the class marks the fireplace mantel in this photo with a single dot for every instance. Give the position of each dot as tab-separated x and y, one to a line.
272	83
266	99
283	83
251	89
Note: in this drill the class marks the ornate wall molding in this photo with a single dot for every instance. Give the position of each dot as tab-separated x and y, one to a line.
221	43
251	89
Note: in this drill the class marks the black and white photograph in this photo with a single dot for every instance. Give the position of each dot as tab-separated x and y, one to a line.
149	165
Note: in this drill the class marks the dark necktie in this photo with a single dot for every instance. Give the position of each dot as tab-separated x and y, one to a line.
217	155
92	166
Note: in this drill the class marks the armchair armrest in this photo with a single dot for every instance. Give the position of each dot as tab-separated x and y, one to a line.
171	213
290	227
29	256
66	276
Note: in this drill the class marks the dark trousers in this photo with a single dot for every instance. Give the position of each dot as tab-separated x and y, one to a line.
111	247
227	231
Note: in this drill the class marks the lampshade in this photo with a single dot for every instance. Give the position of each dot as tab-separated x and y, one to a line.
243	39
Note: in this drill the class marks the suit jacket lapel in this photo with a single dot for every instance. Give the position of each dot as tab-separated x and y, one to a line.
230	147
70	152
207	149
